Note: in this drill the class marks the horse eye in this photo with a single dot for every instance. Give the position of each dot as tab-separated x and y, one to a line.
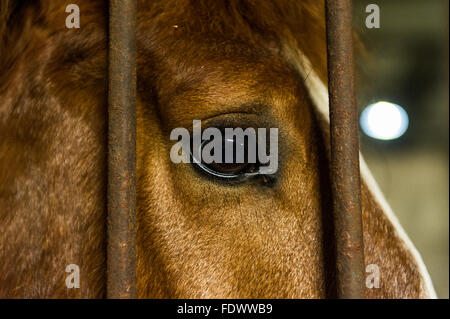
228	168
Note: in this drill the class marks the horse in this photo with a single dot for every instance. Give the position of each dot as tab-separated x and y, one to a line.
228	63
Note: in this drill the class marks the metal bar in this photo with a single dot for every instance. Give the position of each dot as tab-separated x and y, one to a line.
345	179
121	229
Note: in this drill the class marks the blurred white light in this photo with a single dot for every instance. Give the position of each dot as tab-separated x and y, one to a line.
384	121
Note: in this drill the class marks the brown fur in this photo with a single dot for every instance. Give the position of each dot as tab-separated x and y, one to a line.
218	61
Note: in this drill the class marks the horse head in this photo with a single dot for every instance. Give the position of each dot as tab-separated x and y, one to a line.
228	64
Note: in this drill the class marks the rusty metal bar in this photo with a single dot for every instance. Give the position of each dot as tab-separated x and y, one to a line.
346	187
121	229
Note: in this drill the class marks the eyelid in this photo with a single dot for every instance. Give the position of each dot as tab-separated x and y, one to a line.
237	119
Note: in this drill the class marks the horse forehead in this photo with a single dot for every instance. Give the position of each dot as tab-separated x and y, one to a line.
219	75
225	76
212	87
194	68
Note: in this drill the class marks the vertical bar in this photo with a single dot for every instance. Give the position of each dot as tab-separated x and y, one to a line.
345	179
121	229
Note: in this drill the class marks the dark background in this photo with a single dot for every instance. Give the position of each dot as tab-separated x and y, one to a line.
405	62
